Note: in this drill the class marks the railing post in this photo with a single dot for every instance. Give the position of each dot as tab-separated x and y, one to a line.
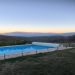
36	51
47	49
4	56
22	53
57	48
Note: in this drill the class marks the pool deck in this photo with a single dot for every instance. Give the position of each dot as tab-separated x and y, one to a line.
5	56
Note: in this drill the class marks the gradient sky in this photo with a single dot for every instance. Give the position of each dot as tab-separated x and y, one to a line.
54	16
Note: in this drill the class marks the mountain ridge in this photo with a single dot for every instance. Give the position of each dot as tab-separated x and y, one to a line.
30	34
35	34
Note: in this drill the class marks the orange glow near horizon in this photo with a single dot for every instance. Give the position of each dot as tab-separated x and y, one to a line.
36	30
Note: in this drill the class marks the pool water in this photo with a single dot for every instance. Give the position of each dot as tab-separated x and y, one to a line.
20	48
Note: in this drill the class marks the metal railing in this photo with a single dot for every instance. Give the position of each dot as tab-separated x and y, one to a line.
23	53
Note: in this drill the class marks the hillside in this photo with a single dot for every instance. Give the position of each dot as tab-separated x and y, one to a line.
53	39
11	40
53	63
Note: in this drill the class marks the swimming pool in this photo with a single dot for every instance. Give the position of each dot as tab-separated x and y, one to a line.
20	48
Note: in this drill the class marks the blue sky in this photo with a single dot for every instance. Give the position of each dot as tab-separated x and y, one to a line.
55	16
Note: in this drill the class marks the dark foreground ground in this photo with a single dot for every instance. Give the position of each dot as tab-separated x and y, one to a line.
53	63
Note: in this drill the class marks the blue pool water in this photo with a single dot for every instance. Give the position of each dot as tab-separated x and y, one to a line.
20	48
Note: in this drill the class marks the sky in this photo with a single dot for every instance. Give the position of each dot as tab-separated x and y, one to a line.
51	16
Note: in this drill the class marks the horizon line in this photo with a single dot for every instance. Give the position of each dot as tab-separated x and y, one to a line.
34	32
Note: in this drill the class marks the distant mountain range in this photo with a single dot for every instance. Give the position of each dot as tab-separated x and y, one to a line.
38	37
34	34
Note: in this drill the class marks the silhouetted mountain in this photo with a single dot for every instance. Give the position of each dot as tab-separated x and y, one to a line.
34	34
30	34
